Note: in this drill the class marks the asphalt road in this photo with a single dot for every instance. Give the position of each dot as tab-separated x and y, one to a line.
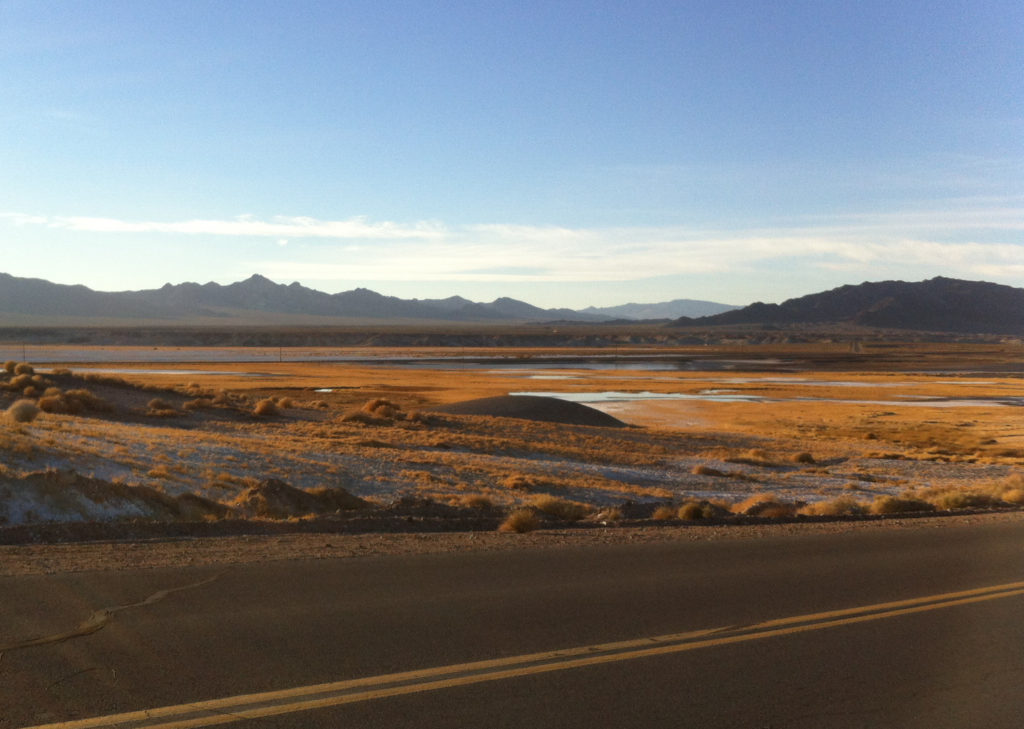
878	628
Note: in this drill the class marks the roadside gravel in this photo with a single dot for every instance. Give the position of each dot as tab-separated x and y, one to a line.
240	549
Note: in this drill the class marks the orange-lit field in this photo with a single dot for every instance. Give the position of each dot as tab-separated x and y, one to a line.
774	434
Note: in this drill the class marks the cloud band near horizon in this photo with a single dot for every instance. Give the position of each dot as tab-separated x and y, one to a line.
981	242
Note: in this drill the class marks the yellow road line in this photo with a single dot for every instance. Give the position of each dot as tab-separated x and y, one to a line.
304	698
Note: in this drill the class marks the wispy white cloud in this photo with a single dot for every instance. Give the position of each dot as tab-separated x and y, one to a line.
281	227
980	241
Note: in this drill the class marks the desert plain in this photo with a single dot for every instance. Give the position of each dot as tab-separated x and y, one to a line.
345	451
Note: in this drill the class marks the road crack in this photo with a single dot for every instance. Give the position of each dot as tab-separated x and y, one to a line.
98	619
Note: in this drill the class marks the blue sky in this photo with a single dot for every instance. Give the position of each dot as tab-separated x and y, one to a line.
564	153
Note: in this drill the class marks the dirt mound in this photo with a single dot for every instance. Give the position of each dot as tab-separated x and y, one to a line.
275	499
532	407
64	496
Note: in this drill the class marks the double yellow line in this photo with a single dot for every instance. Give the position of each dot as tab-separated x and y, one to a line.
304	698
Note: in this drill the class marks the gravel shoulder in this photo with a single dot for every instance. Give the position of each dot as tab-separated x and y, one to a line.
37	559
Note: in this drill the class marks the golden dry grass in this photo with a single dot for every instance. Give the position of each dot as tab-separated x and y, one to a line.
520	521
450	456
896	505
842	506
560	508
665	512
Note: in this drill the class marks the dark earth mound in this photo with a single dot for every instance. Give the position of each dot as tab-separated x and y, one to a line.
532	407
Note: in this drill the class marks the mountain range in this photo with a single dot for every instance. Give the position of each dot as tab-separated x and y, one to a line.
258	299
938	305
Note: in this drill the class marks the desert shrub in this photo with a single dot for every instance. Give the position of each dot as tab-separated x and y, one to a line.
22	411
803	457
520	521
9	366
52	404
319	405
417	416
222	398
476	501
31	391
61	372
523	482
691	511
560	508
612	513
744	507
358	416
81	400
774	510
765	505
285	402
958	499
196	404
1013	496
842	506
20	382
702	470
752	457
161	408
896	505
52	392
266	407
381	408
24	368
103	379
664	512
1010	489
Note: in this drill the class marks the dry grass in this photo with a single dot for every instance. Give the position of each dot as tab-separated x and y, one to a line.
611	514
895	505
560	508
842	506
520	521
665	512
752	501
476	501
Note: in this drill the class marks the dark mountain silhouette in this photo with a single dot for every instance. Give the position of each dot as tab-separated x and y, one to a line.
250	299
938	305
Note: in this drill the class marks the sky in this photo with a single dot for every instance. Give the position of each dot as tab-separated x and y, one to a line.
563	153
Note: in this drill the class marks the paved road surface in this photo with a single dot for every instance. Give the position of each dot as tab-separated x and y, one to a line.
878	628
